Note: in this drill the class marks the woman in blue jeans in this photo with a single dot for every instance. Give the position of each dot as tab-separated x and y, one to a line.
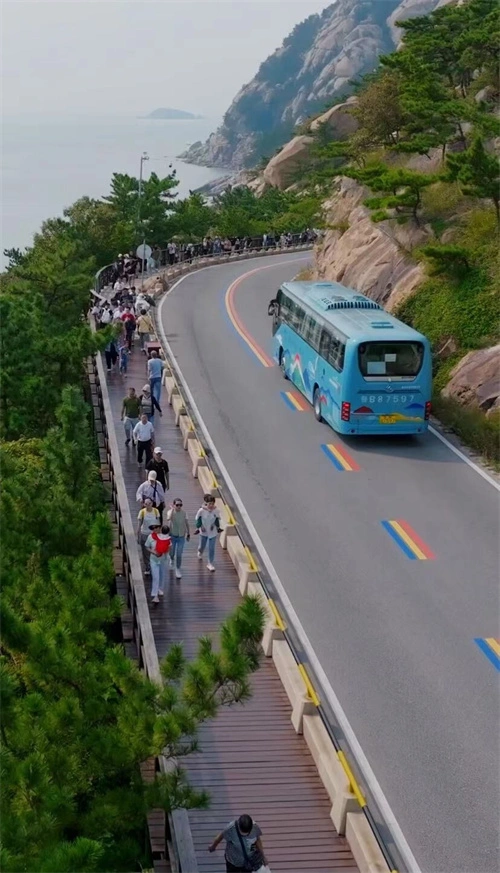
208	526
179	533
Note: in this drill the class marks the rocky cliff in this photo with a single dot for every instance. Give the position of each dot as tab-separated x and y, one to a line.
315	66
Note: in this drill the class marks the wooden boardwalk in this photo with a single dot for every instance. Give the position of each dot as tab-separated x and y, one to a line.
251	759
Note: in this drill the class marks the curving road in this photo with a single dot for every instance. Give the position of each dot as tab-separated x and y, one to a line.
393	611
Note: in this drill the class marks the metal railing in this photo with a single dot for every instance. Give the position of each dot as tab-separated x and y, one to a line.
186	260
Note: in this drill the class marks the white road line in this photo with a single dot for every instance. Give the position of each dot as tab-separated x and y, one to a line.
361	759
464	457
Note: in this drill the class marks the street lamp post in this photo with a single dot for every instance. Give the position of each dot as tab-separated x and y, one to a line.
144	157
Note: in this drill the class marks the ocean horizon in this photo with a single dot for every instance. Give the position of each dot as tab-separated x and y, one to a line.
51	160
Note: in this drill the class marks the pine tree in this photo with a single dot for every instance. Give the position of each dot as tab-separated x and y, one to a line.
477	172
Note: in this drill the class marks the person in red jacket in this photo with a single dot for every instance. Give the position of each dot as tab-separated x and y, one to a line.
158	546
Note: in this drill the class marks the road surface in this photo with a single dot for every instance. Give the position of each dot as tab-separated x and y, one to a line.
392	611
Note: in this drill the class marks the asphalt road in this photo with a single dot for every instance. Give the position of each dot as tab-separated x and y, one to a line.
396	637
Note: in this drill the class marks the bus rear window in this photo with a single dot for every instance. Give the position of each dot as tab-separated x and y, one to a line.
379	360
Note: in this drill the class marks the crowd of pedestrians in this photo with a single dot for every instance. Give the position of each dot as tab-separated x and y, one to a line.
162	532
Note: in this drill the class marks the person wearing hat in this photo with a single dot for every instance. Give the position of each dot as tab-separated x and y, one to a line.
148	515
160	467
158	546
149	403
153	489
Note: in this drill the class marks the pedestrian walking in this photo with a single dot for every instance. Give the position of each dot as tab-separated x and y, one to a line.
111	355
106	316
149	403
244	849
145	328
160	467
128	319
158	545
148	515
144	435
153	489
124	354
179	534
208	526
155	370
130	413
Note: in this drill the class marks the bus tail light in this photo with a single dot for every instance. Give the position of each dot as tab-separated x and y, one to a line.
427	413
345	412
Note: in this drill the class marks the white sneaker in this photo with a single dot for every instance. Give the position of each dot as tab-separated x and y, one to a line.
156	599
211	568
178	574
172	563
199	555
161	593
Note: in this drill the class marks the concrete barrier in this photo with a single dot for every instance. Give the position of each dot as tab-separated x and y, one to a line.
330	770
363	844
207	479
292	682
170	387
186	428
227	521
239	556
197	455
271	630
178	406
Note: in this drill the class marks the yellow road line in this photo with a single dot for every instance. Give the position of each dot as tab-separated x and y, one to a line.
494	644
294	401
352	781
340	457
408	540
307	682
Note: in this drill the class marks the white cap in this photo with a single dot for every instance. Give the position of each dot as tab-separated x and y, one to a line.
158	451
152	474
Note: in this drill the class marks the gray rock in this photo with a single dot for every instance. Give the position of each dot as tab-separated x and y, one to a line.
315	66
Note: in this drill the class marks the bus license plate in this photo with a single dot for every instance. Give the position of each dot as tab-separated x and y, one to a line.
388	419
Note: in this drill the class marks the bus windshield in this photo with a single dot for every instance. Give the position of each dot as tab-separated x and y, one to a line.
379	360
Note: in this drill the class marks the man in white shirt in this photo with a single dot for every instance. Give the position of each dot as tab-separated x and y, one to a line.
144	435
153	489
141	303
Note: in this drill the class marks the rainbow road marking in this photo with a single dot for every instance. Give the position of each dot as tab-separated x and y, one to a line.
491	648
293	402
408	541
340	459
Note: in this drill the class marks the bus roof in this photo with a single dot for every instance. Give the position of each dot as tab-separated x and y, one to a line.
354	314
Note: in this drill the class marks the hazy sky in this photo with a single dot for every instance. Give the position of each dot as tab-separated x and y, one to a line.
111	56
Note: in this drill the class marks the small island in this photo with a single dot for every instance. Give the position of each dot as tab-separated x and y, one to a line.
172	114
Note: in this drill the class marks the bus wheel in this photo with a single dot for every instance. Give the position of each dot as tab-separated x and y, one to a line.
317	404
283	364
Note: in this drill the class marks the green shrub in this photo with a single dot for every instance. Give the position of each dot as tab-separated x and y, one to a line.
476	430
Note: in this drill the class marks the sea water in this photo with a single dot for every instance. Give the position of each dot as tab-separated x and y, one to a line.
49	162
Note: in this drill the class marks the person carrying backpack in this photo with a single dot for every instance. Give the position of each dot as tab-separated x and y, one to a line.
158	546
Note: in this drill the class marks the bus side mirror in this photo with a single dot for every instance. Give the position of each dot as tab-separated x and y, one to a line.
272	309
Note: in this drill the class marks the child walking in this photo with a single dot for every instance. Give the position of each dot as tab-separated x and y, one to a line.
208	526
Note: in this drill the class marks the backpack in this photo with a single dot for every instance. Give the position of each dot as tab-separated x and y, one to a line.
162	545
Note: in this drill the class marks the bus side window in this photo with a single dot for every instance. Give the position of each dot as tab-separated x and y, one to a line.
298	318
311	332
337	353
324	344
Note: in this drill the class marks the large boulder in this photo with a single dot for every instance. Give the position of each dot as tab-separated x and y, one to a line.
281	169
339	119
475	381
372	258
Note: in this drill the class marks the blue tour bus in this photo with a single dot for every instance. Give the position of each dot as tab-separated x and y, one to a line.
364	371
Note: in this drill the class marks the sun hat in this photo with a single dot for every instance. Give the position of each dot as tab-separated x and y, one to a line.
152	474
158	451
155	524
